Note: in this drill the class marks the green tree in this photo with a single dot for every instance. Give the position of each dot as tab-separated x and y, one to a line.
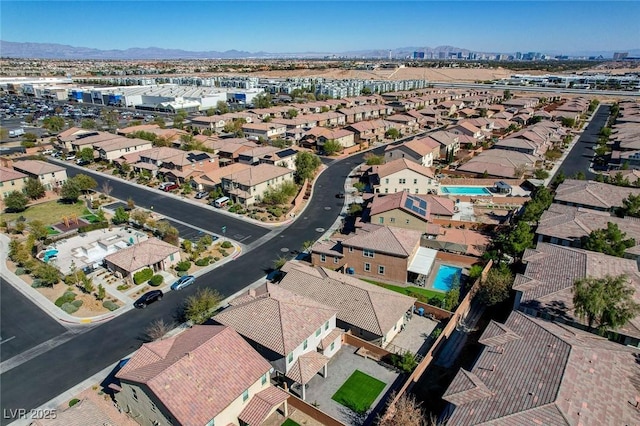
178	119
292	113
279	262
85	154
331	147
38	229
541	174
160	122
263	100
631	206
47	274
15	201
34	189
392	133
495	288
70	191
568	122
306	165
120	216
110	118
29	140
611	241
354	209
201	306
235	127
606	303
222	107
365	91
88	124
85	183
373	160
507	94
53	124
102	293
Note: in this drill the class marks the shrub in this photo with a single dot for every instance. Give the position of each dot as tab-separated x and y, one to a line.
73	402
19	271
110	305
226	244
77	303
224	253
69	308
215	259
203	261
123	287
92	227
183	266
37	284
156	280
67	297
142	276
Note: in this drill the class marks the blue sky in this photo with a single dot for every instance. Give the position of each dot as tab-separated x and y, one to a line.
326	26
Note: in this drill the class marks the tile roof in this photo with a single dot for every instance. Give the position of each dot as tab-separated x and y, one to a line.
421	146
277	318
7	174
572	223
214	177
143	254
547	282
363	305
435	205
589	193
197	373
306	367
255	175
399	165
36	167
330	338
549	375
120	143
386	239
261	405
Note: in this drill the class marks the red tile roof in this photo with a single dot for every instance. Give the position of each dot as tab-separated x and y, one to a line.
261	405
386	239
306	367
398	165
143	254
198	373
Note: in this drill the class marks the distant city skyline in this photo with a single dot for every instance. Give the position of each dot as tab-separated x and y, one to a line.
330	26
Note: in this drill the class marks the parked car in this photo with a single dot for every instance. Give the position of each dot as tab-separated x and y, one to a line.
82	162
70	157
340	195
202	194
168	186
183	282
148	298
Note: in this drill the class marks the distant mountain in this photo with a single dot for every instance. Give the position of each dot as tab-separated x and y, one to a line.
10	49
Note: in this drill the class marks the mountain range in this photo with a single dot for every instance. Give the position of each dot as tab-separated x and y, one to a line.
10	49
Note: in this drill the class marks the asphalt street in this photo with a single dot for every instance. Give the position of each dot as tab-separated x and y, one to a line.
40	379
580	156
23	324
171	206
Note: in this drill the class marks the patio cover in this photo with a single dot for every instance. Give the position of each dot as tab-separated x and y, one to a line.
446	246
261	405
423	261
306	367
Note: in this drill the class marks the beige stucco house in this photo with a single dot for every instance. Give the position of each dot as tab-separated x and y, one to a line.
50	175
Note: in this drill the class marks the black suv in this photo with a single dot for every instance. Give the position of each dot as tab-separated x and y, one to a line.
147	298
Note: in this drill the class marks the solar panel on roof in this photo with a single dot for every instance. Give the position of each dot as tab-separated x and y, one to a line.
423	204
408	203
197	157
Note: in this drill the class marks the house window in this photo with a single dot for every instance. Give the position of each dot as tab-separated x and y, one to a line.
415	181
305	344
134	393
402	181
245	395
381	270
318	331
386	180
326	325
153	407
335	259
290	357
264	378
381	220
367	253
416	190
212	422
333	345
392	220
408	221
323	258
367	267
386	190
350	249
171	257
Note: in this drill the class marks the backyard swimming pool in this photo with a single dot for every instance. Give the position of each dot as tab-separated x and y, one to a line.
445	276
464	190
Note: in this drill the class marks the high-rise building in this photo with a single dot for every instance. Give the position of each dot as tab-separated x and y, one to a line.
618	56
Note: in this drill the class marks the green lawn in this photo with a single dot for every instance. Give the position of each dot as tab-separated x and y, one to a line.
417	291
289	422
49	213
358	392
52	231
92	218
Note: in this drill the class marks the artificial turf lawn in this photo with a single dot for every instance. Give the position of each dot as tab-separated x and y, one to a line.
358	392
428	294
48	213
290	422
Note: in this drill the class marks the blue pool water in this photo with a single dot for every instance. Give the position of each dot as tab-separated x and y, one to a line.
444	277
49	254
465	190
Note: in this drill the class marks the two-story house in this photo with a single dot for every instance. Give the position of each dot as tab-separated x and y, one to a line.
249	185
116	148
368	131
264	131
207	375
50	175
404	210
422	151
11	180
296	334
449	143
402	175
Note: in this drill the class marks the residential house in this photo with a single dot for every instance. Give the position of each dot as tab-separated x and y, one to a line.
531	371
206	375
409	123
455	240
297	335
283	158
370	312
116	148
252	156
545	289
367	132
467	129
500	163
449	143
212	180
87	140
11	180
151	253
265	131
173	164
520	145
593	195
50	175
318	136
404	210
567	225
402	175
66	137
249	185
422	151
229	151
